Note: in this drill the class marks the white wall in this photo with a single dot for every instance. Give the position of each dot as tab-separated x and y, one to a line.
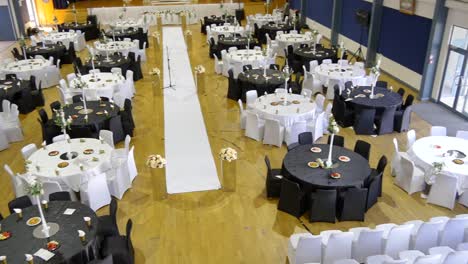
457	15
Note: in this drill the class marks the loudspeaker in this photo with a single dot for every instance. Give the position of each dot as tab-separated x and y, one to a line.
363	17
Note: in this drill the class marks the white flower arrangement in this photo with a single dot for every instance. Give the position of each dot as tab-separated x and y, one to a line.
34	186
200	69
437	167
156	162
60	120
155	72
314	32
333	127
228	154
78	83
188	33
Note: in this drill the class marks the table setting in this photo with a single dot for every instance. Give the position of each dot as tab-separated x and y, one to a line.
98	113
106	63
317	52
226	31
74	240
46	50
115	46
285	107
126	23
284	40
65	38
238	42
338	72
25	68
99	81
91	30
218	20
262	80
261	20
272	28
10	88
450	151
256	58
360	95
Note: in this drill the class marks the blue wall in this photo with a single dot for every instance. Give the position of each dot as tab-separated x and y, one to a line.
7	28
403	38
349	27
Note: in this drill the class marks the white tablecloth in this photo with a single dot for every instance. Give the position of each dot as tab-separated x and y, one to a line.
332	71
226	31
71	175
425	151
265	19
244	56
284	40
126	23
299	108
115	46
100	81
65	38
25	68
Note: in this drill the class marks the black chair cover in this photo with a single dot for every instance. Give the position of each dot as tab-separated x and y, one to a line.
364	121
362	148
291	198
385	122
323	206
383	84
20	203
337	141
115	125
402	120
352	205
373	191
60	196
273	183
234	91
305	138
107	224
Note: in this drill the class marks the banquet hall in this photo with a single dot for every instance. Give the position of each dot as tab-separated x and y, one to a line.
253	131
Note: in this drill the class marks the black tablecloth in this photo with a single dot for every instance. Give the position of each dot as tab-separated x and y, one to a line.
50	50
23	242
97	118
13	90
238	42
352	173
131	33
91	30
306	55
218	20
254	80
118	61
271	29
390	99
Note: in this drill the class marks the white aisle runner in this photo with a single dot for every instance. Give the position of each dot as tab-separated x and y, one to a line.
190	163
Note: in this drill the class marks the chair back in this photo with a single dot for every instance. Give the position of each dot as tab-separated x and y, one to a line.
364	121
353	205
453	232
320	102
343	241
368	243
462	134
410	138
444	190
81	132
20	203
60	196
456	257
290	198
409	101
318	128
323	208
309	249
362	148
61	137
438	131
251	96
6	105
430	259
128	233
337	140
305	138
427	236
107	136
50	187
398	240
385	125
374	190
28	150
297	128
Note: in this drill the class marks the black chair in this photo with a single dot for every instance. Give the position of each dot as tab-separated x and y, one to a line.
337	141
292	198
273	182
43	115
381	165
107	224
384	122
402	120
49	131
115	125
383	84
348	84
274	67
408	102
120	247
401	92
234	91
77	98
1	217
55	106
10	76
36	93
137	72
20	203
213	48
305	138
322	206
362	148
70	55
351	205
60	196
25	101
343	115
127	123
364	121
247	67
128	109
304	45
82	132
296	84
16	54
373	190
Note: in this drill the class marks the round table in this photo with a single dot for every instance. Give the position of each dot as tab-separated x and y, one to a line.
64	37
25	68
116	46
123	33
254	80
238	42
91	30
297	108
333	71
246	57
353	173
385	98
97	118
116	61
271	29
105	83
265	19
319	54
218	20
226	31
10	88
23	242
46	51
284	40
126	23
427	150
45	165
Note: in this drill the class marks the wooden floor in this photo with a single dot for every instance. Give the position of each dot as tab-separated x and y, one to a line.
238	226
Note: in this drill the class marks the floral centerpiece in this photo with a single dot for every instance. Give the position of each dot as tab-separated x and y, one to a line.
332	129
228	154
60	120
155	72
156	162
199	69
437	167
188	33
78	83
35	189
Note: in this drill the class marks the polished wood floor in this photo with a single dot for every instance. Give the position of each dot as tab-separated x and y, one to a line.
233	225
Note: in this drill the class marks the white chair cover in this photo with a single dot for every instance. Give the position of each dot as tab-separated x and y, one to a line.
274	133
95	193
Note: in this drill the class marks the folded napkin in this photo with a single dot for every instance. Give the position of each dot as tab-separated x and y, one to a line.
44	254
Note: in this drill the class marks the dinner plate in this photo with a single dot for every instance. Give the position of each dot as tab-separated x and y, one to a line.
63	164
88	151
344	158
458	161
313	164
316	149
335	175
54	153
33	221
52	245
5	235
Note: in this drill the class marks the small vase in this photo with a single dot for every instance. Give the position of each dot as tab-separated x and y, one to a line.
228	174
329	161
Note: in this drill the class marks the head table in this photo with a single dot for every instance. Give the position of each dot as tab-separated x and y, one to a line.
427	150
296	108
51	163
353	173
71	249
